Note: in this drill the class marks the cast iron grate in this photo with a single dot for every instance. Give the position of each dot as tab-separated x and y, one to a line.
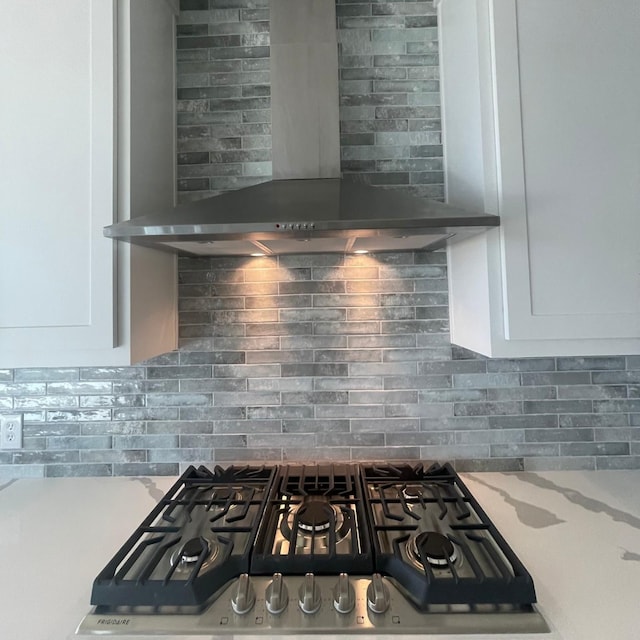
314	522
403	501
211	515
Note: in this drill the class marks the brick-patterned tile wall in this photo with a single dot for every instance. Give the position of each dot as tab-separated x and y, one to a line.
224	104
389	95
323	357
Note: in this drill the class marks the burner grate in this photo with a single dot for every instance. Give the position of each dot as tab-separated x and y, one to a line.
219	508
420	526
405	502
314	522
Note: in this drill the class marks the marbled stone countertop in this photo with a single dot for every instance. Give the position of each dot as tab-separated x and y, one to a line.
578	533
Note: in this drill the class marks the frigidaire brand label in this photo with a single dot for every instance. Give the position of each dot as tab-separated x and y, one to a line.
114	621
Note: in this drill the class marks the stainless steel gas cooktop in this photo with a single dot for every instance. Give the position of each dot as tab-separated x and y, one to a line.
336	548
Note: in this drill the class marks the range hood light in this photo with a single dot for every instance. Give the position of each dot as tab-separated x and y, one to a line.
361	251
262	249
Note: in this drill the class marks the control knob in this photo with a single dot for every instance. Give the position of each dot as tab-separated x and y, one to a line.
276	595
344	595
309	594
244	597
378	599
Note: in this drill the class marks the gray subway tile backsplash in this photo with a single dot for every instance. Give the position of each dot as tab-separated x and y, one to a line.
319	357
344	393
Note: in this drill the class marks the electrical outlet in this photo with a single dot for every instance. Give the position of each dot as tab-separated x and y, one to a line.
11	431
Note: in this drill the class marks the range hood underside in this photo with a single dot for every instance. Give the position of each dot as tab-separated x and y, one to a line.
303	243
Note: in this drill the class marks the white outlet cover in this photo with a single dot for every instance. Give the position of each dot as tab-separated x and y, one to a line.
11	431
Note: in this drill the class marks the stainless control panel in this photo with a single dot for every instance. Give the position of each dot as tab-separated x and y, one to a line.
313	604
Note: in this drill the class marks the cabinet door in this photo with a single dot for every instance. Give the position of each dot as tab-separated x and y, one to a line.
57	158
567	99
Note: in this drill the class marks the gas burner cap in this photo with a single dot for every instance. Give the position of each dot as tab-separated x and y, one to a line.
223	493
193	549
437	548
314	516
413	491
228	494
185	557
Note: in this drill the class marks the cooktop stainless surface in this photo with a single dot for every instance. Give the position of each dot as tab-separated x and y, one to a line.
323	549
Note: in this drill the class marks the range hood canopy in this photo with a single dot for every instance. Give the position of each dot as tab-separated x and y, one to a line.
307	208
303	216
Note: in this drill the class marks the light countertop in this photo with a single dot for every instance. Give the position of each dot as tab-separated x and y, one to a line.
577	532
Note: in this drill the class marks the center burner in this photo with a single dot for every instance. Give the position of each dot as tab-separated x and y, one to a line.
314	523
314	515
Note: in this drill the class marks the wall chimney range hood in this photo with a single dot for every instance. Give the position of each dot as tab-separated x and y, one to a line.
303	216
307	207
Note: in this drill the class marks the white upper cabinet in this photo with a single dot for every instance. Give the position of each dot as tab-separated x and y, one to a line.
84	143
540	106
